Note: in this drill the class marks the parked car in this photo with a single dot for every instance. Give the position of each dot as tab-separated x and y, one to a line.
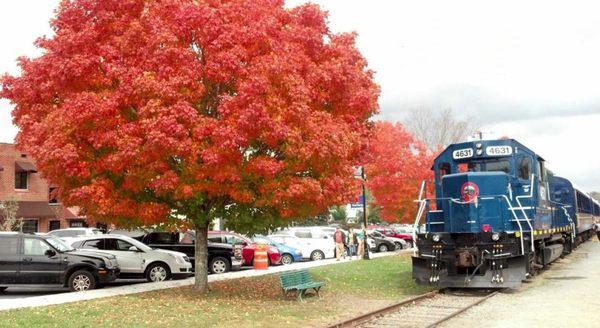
136	259
313	249
74	232
289	254
221	257
248	246
382	244
27	259
398	242
391	232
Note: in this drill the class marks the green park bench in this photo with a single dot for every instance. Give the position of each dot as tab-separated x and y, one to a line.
300	281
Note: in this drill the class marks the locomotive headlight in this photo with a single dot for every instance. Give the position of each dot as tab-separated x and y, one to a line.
479	152
436	238
478	145
495	236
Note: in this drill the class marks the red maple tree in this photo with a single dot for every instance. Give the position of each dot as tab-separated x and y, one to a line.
397	165
149	111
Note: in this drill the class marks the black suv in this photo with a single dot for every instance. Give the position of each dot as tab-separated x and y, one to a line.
27	259
221	257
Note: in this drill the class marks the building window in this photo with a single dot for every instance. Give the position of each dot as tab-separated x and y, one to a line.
77	224
30	226
52	199
54	225
21	180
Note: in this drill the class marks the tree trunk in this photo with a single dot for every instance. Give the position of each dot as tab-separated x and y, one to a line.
201	281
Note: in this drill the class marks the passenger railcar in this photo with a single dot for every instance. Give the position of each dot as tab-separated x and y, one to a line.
498	215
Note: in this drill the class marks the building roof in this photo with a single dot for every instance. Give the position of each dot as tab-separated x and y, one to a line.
35	210
25	167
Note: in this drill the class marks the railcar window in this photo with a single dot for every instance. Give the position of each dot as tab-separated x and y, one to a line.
525	168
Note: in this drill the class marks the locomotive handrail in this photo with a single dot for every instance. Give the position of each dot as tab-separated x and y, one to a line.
518	199
418	217
571	223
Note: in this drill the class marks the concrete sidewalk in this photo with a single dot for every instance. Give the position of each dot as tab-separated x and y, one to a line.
36	301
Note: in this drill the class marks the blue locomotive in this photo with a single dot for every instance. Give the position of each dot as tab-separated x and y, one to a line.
499	215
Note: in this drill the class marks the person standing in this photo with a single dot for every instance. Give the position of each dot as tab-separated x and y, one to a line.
351	243
361	244
338	237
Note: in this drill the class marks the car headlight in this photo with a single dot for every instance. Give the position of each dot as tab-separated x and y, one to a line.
436	238
186	259
111	263
495	236
178	259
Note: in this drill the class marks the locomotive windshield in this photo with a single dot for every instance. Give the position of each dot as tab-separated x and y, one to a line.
493	165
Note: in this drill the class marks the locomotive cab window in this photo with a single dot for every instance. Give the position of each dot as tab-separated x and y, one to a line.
524	168
490	166
443	169
542	170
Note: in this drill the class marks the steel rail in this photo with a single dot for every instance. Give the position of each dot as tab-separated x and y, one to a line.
367	317
379	312
457	312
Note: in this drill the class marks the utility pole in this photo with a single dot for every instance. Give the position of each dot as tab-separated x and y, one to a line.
365	222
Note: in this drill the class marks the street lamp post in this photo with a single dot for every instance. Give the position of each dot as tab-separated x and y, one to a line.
365	222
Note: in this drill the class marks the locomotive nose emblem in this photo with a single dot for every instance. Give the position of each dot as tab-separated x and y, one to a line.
469	191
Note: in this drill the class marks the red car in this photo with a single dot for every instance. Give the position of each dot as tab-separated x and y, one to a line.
390	232
232	238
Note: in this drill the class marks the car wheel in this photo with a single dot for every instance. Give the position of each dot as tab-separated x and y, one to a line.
317	255
287	259
382	248
157	272
398	245
219	265
82	280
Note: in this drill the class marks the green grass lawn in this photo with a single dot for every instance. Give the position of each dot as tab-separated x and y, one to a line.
352	288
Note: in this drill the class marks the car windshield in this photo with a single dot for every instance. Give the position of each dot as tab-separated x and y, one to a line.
59	244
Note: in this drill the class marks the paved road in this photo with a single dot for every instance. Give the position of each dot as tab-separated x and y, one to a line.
565	295
33	296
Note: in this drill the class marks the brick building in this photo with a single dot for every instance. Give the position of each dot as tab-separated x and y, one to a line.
19	180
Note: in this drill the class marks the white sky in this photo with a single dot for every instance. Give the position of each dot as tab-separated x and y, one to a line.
526	69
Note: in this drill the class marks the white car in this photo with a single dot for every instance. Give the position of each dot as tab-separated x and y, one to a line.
313	246
74	232
136	259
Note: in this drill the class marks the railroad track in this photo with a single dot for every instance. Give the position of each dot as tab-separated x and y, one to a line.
427	310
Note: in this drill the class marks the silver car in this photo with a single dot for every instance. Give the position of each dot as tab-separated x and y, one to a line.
136	259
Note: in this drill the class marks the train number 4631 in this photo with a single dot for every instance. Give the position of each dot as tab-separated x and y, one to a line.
498	150
462	153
